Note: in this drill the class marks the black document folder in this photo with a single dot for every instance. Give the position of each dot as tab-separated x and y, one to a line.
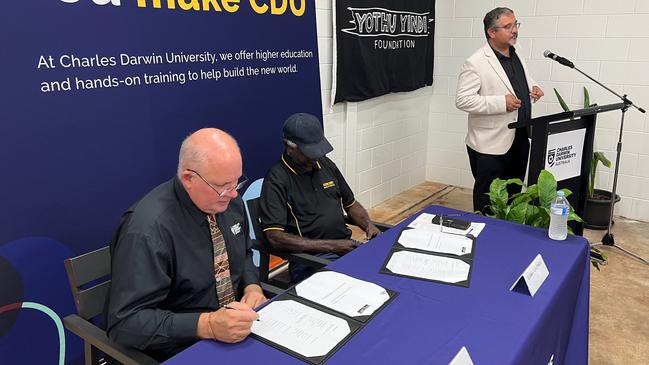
355	323
397	247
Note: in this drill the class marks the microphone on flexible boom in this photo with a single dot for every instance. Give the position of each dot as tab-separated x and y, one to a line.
561	60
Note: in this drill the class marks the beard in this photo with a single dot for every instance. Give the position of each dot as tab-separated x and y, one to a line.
512	41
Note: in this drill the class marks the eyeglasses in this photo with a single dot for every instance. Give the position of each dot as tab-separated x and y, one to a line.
510	27
242	182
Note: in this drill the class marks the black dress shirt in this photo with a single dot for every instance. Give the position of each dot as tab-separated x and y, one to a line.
306	203
163	273
516	75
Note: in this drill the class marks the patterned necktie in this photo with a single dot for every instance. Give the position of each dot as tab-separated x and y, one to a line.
224	291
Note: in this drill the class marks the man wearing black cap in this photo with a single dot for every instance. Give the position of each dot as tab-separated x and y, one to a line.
303	197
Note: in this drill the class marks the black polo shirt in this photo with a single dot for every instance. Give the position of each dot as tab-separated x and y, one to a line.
306	203
516	75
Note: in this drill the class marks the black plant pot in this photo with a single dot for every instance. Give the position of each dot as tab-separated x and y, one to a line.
597	211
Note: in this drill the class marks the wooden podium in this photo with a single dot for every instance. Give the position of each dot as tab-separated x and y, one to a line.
555	139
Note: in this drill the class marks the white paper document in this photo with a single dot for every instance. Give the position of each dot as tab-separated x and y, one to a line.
446	269
435	241
300	328
425	222
343	293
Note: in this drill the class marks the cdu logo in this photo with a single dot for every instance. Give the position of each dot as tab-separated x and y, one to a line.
551	154
236	229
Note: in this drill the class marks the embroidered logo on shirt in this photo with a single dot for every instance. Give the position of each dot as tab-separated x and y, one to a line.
236	229
328	184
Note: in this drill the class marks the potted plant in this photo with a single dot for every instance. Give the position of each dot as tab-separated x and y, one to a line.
597	211
598	202
532	206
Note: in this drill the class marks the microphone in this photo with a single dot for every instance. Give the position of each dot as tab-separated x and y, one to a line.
561	60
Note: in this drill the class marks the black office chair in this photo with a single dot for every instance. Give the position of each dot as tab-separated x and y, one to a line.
89	276
263	246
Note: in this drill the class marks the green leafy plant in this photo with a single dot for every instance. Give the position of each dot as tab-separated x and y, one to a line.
563	103
530	207
597	156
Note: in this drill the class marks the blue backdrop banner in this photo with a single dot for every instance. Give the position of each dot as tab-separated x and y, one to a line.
97	96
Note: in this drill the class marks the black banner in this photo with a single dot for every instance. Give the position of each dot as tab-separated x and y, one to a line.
382	46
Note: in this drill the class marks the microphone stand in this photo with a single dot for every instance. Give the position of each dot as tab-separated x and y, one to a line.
608	239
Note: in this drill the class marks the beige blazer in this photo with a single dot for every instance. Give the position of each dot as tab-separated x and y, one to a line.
481	89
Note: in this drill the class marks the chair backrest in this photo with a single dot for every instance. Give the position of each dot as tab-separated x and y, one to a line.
89	276
253	191
260	242
253	209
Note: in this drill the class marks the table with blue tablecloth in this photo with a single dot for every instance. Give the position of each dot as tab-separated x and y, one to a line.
428	323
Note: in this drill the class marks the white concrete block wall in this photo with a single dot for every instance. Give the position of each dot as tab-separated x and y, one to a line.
607	39
379	144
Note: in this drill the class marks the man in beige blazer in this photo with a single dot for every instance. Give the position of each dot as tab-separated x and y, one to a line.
495	88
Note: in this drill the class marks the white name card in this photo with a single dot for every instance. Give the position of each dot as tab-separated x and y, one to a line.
462	358
532	278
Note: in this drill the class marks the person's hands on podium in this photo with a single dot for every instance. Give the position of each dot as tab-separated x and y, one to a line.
227	325
253	295
536	93
513	103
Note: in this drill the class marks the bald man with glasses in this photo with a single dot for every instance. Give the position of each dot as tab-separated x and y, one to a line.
181	256
495	88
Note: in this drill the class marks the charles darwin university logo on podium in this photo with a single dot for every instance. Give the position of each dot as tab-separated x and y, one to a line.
551	155
382	46
565	152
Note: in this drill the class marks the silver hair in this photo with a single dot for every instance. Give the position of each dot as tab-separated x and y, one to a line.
490	20
189	155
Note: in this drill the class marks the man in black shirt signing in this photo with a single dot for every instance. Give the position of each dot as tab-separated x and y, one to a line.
182	253
303	197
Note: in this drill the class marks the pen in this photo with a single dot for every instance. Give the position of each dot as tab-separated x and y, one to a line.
228	307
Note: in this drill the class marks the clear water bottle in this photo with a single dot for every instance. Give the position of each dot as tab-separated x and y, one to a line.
559	217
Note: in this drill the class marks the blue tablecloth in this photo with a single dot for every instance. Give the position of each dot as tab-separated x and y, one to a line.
428	322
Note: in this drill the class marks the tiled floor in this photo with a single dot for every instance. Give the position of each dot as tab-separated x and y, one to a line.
619	297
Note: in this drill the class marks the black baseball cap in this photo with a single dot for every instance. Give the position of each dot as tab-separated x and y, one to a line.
305	130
